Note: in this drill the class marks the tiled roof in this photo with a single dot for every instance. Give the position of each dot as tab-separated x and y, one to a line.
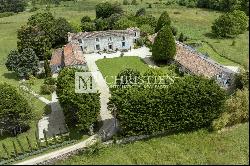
197	63
73	55
88	35
57	57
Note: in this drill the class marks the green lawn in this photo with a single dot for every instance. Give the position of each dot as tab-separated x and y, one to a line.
111	67
200	147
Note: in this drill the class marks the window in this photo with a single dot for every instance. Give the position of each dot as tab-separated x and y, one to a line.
110	38
80	40
123	37
111	47
97	39
97	47
123	44
135	34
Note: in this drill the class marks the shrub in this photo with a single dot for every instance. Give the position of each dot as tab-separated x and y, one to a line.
6	14
50	81
163	20
237	110
15	111
150	6
146	29
188	104
242	79
164	47
47	89
85	19
140	12
88	27
80	109
127	77
124	23
230	24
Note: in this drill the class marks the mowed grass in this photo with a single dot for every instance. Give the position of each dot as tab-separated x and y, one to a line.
111	67
200	147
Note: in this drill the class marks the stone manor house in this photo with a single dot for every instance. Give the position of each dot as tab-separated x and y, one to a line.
187	58
82	43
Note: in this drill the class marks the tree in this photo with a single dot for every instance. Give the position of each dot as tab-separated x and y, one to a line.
112	20
24	64
85	19
124	23
163	20
230	24
101	24
140	12
164	47
34	38
146	29
15	6
88	27
60	30
128	76
15	111
80	109
106	9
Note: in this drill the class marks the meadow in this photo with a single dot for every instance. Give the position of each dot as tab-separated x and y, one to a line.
200	147
193	22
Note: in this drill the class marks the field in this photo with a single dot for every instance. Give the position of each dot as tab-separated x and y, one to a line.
201	147
195	23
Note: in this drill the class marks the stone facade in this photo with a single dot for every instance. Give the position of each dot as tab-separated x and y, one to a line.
111	40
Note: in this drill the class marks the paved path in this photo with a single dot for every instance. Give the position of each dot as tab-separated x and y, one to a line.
108	128
54	123
90	141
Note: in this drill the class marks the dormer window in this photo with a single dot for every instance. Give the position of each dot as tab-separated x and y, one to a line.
97	40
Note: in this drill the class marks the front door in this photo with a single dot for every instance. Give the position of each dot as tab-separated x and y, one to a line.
110	46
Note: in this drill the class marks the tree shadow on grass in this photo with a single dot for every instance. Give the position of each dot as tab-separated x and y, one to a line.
11	76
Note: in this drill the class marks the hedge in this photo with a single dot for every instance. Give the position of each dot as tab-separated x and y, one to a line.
188	104
80	109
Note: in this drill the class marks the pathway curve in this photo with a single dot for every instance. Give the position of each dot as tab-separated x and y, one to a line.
108	128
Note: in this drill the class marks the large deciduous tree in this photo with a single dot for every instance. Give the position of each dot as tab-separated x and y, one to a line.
15	111
12	6
24	63
164	47
230	24
106	9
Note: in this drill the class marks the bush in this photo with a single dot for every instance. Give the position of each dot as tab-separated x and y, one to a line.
80	109
190	103
50	81
140	12
242	79
15	111
163	20
88	27
230	24
237	110
85	19
164	47
127	77
134	2
6	14
47	89
124	23
174	30
146	29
